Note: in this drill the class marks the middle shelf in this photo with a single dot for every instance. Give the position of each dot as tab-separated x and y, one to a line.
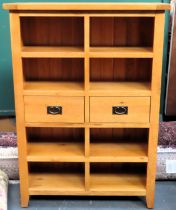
78	52
99	152
71	145
98	76
95	88
53	152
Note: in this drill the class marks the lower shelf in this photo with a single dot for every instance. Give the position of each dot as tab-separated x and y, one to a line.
56	184
118	184
100	184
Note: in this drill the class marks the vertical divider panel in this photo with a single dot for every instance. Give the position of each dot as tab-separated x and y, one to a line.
86	65
87	142
86	85
87	175
16	44
87	154
155	104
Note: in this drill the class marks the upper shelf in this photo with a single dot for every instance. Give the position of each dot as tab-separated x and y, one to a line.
86	6
121	52
52	52
95	52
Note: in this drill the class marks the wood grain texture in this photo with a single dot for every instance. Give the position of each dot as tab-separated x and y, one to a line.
53	88
118	184
87	142
56	152
86	6
53	69
96	88
120	88
36	109
138	109
73	184
155	103
87	177
86	65
120	70
56	184
56	135
118	152
52	52
118	135
88	125
121	31
87	13
19	107
53	31
120	52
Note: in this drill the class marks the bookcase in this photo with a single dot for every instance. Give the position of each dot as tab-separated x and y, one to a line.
87	90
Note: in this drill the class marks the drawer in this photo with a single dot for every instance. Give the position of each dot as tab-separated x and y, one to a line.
54	109
119	109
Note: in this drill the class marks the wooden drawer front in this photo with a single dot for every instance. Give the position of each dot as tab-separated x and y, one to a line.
36	108
135	109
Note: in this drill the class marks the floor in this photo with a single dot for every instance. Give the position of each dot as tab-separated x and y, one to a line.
165	200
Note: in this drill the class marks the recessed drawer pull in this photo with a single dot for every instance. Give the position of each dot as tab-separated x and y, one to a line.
119	110
54	110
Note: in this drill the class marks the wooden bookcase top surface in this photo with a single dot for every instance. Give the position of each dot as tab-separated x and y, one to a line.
86	6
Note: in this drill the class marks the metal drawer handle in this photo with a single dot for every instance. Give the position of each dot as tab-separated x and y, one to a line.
54	110
119	110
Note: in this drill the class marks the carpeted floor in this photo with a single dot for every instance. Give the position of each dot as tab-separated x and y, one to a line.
165	200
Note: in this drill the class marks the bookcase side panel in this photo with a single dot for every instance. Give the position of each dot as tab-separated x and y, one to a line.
155	104
19	106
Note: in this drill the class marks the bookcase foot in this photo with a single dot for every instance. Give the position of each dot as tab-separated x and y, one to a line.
150	202
24	201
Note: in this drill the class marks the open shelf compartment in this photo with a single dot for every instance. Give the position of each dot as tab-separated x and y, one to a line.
56	178
52	31
118	178
124	76
55	144
52	36
118	144
121	31
124	36
46	75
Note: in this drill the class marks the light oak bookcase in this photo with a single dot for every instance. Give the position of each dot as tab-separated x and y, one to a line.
87	90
